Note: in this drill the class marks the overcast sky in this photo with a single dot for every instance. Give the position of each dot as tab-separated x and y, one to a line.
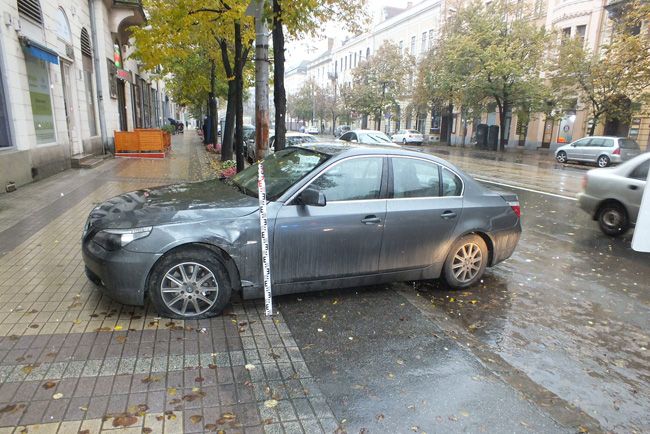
297	51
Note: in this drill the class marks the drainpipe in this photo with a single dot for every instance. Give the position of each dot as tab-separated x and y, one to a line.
98	78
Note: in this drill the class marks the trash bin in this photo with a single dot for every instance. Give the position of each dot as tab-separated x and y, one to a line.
493	137
481	136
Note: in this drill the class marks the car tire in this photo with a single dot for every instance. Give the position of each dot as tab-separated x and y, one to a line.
466	262
93	277
561	157
613	219
603	161
188	301
403	141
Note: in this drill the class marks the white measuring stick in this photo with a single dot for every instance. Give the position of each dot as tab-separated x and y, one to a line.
266	255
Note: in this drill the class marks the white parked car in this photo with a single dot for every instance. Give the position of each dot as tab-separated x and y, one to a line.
408	136
313	130
367	137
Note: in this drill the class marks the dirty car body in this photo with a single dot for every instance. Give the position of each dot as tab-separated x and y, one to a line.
339	216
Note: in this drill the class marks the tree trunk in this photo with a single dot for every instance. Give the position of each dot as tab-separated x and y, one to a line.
213	103
450	122
228	129
228	133
592	129
279	93
503	109
239	100
364	122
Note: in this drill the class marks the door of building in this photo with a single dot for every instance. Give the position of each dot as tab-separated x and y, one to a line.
121	104
5	139
66	74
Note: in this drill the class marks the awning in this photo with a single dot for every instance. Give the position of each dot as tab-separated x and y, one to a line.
40	52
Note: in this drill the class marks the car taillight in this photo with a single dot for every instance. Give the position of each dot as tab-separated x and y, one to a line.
617	151
516	208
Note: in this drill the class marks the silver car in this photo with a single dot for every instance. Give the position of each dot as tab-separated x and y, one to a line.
602	150
612	196
368	137
338	215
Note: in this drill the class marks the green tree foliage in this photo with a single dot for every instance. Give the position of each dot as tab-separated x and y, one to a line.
380	81
302	104
605	81
487	53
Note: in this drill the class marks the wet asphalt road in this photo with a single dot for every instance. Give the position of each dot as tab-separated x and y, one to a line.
555	339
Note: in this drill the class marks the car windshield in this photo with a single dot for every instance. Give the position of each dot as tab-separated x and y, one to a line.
281	170
413	132
373	138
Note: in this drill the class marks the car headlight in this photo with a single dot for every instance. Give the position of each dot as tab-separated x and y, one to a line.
113	239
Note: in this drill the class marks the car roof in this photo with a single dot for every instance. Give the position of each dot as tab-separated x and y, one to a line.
345	149
365	131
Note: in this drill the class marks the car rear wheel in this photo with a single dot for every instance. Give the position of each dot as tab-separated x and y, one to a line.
189	284
603	161
403	141
561	157
466	262
613	219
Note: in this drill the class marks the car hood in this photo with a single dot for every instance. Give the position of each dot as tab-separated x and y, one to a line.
213	199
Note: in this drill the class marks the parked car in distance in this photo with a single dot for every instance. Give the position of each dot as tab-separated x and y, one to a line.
602	150
367	137
313	130
341	216
341	129
292	139
408	136
612	196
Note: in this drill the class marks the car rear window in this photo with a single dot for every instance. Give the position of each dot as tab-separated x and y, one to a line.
628	144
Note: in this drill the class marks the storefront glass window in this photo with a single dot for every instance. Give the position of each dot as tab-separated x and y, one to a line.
39	94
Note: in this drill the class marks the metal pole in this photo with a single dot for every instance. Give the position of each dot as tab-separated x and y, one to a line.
98	75
261	82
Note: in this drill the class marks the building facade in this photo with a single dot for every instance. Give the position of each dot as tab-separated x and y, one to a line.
66	83
415	29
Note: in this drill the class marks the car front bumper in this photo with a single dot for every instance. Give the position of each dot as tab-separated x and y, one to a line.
588	203
123	273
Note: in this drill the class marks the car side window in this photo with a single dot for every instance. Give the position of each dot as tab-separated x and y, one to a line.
353	179
597	142
415	178
582	142
641	171
346	137
607	143
451	183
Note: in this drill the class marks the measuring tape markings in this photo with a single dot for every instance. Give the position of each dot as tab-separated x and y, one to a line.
264	226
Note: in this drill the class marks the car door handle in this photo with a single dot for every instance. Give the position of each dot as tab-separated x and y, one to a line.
370	220
448	215
633	187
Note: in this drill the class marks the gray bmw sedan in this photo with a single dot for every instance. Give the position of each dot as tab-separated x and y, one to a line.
340	215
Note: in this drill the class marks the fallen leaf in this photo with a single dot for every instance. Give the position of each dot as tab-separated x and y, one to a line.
57	396
11	408
583	429
271	403
27	369
196	418
146	430
32	311
82	408
49	385
151	379
249	367
117	328
120	339
199	379
85	431
464	413
171	391
34	326
124	420
380	417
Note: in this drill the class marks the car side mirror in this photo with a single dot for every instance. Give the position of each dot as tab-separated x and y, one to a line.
312	197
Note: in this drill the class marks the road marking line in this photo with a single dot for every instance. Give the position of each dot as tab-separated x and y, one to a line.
525	189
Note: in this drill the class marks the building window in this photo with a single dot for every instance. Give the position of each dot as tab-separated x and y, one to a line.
31	9
355	59
360	55
413	45
401	47
336	67
430	39
367	52
581	31
566	34
87	66
345	63
63	27
39	95
423	48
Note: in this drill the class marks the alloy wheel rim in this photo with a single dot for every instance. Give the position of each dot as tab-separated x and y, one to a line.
612	219
561	158
467	262
189	289
602	162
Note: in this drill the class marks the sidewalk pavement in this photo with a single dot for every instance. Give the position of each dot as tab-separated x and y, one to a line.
72	360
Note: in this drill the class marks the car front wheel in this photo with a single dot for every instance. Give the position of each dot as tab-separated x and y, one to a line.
189	284
466	262
561	157
613	219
